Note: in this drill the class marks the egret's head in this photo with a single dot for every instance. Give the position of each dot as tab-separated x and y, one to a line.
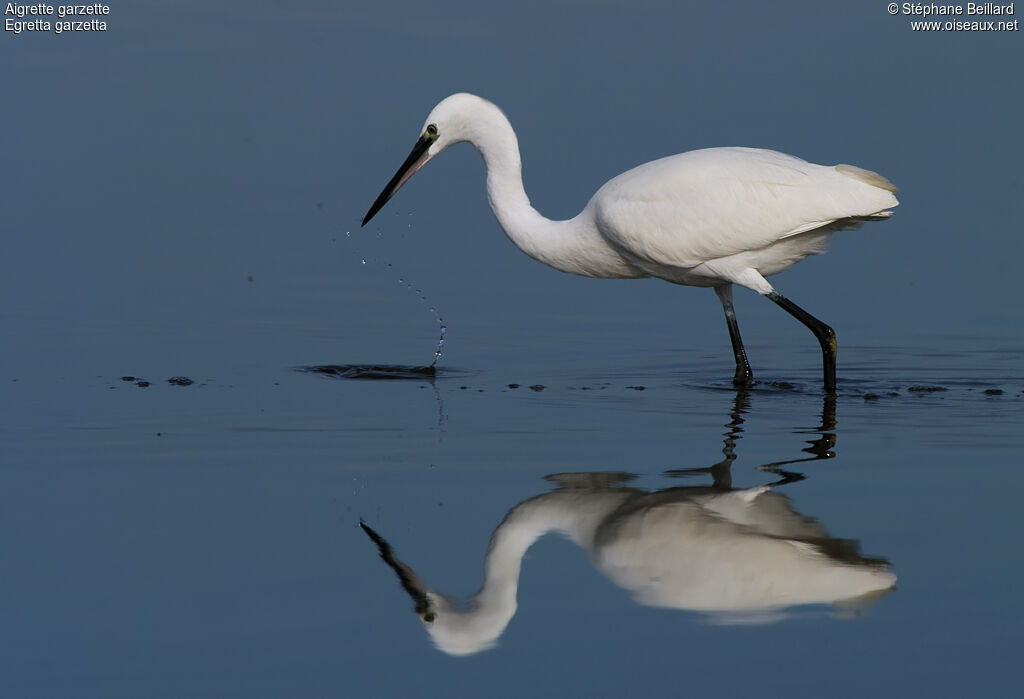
451	121
455	629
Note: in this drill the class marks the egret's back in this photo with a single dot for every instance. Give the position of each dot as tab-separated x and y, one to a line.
688	209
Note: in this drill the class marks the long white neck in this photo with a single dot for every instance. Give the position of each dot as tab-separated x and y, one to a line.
573	513
574	245
489	611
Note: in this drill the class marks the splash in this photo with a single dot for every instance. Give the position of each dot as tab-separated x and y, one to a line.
378	372
442	328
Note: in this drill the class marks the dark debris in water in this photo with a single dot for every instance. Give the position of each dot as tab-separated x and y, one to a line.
144	383
380	372
779	385
141	383
921	389
757	387
429	373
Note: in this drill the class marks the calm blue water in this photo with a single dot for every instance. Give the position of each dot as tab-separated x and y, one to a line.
181	198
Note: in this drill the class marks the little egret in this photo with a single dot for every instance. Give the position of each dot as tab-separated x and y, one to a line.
737	556
713	217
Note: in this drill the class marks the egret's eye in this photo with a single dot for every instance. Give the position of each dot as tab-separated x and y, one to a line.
432	131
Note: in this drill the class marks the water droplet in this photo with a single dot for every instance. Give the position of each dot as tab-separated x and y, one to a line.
440	341
363	260
348	234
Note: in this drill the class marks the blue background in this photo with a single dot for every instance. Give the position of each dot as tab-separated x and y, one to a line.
181	195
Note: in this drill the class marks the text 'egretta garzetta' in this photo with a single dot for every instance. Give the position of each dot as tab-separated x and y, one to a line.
713	217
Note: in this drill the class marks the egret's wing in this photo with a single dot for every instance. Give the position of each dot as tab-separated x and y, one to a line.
703	205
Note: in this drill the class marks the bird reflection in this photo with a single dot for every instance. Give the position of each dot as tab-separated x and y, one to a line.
734	555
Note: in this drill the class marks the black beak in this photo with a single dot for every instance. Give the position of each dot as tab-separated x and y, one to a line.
406	577
413	163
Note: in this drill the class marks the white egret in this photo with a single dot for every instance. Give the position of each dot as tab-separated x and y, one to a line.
713	217
736	556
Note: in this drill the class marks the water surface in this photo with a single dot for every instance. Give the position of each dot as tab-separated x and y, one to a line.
192	215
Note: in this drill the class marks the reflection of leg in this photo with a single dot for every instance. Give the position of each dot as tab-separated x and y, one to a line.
744	376
826	337
721	473
820	448
828	413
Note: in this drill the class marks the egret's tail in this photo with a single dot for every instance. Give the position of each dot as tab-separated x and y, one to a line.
852	223
867	177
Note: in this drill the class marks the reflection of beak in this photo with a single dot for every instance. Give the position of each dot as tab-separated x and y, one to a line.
408	579
413	163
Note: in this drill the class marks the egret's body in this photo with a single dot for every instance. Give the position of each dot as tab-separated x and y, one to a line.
737	556
712	217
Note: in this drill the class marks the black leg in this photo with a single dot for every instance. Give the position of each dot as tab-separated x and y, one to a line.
826	337
744	376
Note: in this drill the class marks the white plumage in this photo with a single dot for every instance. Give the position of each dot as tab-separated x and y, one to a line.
712	217
740	556
687	217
